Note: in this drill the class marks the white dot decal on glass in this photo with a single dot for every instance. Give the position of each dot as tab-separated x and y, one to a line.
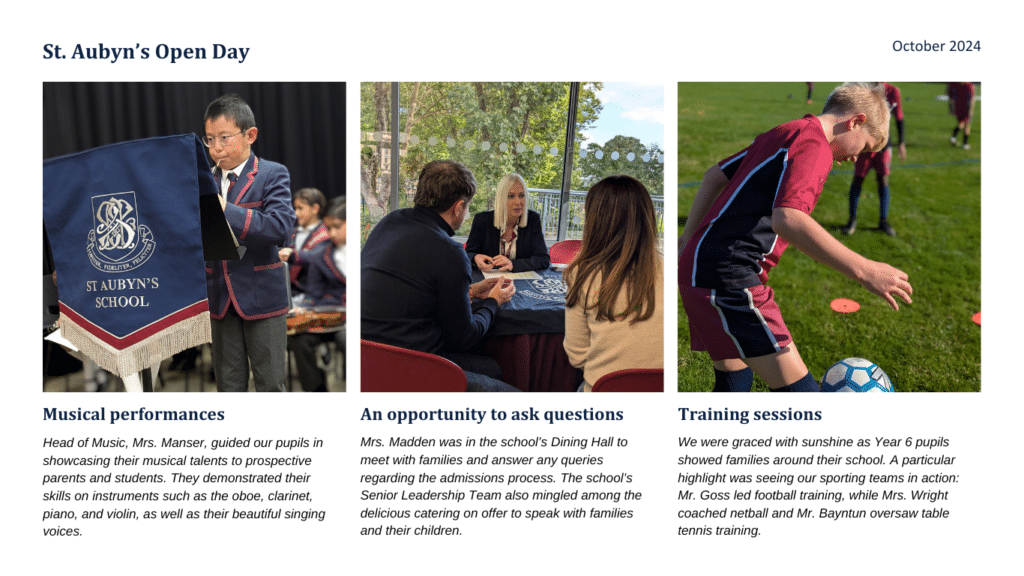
553	151
661	158
450	142
583	153
485	146
646	157
469	144
414	140
599	154
503	147
432	141
520	148
377	136
615	155
630	157
536	149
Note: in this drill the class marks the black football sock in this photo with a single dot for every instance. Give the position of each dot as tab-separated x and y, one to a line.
883	202
737	381
854	200
805	384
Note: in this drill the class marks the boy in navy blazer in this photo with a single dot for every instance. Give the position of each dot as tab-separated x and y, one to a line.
325	287
309	240
248	297
327	282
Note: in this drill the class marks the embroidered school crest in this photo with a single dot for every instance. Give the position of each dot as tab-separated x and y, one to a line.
117	242
547	288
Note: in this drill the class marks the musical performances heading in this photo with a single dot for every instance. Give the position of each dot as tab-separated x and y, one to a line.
140	415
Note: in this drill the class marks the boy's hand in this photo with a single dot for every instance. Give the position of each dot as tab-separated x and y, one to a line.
886	281
223	202
503	291
903	152
284	253
877	277
481	288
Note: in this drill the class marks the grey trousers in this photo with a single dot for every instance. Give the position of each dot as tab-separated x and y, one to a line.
240	344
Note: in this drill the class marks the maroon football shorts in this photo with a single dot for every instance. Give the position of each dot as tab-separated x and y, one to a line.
880	161
734	323
963	107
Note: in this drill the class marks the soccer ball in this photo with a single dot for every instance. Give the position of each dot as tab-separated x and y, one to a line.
855	375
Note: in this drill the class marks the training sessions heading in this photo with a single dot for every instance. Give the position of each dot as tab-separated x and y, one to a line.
744	416
162	52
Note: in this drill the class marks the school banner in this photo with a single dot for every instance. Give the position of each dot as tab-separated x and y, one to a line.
124	226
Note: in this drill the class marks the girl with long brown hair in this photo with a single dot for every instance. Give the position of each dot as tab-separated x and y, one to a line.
614	309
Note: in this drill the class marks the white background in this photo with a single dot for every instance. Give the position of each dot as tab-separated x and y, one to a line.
663	42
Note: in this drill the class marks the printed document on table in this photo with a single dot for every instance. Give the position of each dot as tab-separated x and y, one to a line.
531	275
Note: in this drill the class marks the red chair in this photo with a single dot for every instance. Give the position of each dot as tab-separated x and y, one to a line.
563	252
392	369
632	380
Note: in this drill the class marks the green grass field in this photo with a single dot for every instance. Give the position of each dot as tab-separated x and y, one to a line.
929	346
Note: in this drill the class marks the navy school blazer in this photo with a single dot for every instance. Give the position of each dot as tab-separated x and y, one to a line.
259	211
299	261
326	282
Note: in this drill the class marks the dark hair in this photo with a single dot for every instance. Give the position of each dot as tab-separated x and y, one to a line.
311	196
442	183
231	107
620	239
336	209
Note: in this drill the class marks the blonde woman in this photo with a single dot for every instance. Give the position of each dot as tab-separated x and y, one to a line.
614	306
510	237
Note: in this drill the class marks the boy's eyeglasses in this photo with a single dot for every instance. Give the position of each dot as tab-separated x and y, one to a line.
222	140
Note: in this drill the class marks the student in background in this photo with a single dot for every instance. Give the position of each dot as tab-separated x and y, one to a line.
326	287
326	279
310	239
961	105
881	162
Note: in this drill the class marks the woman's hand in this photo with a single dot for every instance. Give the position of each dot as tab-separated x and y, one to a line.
502	263
484	263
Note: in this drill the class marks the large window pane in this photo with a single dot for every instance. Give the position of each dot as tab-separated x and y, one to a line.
375	154
492	128
496	128
623	133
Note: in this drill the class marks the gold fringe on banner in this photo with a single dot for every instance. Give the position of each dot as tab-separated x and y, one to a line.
133	359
